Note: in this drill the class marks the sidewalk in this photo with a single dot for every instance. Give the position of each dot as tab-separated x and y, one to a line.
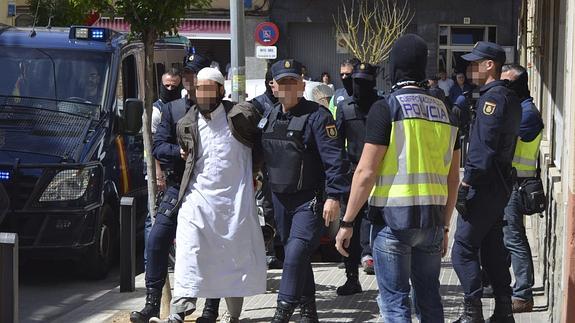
115	306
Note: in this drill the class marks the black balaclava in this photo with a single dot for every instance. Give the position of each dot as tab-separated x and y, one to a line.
521	86
348	85
170	95
364	83
408	59
363	92
269	92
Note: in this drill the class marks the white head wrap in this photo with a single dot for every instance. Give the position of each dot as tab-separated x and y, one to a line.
212	74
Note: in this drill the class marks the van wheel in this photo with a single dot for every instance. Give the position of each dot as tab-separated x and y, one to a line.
97	261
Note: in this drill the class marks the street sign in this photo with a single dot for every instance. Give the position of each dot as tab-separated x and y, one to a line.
267	33
11	9
266	52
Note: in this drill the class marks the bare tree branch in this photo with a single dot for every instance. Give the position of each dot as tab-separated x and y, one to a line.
369	30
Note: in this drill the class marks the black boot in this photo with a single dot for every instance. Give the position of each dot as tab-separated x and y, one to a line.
210	313
308	310
351	286
151	309
503	312
284	311
472	311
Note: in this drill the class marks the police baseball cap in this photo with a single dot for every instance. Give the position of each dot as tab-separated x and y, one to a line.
486	50
196	62
364	71
286	68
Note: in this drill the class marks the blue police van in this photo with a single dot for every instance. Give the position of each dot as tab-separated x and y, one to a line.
71	101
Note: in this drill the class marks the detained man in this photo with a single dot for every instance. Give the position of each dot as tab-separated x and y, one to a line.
220	248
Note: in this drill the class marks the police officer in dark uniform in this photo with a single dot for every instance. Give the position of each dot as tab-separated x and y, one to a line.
167	151
486	187
351	120
302	154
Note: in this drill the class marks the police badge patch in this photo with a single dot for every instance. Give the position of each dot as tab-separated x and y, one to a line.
331	131
489	108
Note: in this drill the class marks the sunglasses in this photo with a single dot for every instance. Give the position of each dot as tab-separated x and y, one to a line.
345	75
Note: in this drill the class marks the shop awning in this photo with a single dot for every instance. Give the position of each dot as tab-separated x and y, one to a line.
191	28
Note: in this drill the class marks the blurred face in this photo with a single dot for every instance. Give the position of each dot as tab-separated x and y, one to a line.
442	75
345	71
460	79
209	94
189	82
432	83
288	90
326	79
171	82
480	71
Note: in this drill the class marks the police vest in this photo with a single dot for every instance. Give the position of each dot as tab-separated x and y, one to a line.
415	167
354	120
525	158
178	109
290	163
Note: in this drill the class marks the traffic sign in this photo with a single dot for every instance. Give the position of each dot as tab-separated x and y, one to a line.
267	33
267	52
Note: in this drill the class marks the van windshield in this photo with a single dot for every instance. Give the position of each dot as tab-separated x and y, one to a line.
62	75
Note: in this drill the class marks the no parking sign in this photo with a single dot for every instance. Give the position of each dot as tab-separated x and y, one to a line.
267	33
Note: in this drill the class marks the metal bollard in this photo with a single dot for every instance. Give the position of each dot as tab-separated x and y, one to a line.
127	244
8	277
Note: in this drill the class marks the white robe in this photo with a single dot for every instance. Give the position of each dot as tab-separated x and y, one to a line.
219	243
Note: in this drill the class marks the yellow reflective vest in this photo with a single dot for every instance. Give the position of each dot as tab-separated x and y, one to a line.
415	167
525	158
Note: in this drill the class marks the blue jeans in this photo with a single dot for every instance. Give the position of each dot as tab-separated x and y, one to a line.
516	242
147	228
404	255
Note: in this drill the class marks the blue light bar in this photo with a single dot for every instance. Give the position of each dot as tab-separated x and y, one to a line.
4	176
89	33
97	34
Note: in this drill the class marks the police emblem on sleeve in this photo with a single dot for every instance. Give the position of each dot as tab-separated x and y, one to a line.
489	108
331	131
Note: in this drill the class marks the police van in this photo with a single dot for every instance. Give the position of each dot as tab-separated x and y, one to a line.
71	101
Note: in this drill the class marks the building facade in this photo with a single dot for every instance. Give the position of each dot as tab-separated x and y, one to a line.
547	48
450	28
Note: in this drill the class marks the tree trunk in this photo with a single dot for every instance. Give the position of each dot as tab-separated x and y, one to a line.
149	39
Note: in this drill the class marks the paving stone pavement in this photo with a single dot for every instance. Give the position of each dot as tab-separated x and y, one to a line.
114	307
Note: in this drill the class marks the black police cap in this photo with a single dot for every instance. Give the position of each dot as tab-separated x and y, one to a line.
486	50
364	71
196	62
286	68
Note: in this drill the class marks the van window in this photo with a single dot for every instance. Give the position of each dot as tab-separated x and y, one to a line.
130	77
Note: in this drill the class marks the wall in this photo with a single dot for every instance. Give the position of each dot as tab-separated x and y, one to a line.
547	49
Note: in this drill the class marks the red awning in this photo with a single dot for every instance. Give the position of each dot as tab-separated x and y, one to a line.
191	28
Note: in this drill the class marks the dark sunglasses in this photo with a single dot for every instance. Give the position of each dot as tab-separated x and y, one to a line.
345	75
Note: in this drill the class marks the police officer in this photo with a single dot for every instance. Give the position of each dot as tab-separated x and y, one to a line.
302	154
350	119
345	71
485	188
167	151
410	166
525	161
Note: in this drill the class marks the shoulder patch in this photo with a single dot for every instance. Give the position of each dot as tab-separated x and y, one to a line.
331	131
489	108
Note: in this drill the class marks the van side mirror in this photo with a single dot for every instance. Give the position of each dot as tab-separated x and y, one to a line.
133	110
